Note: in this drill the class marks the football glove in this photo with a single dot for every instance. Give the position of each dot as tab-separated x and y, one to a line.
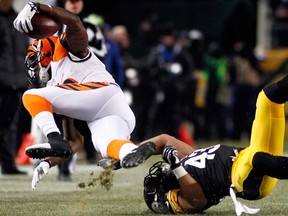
23	20
169	155
41	170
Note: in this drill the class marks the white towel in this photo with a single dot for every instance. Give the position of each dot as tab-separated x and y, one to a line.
239	207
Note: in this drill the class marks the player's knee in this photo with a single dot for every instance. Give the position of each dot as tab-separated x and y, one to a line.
35	104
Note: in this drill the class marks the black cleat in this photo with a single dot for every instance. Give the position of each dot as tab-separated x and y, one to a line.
139	155
56	148
109	164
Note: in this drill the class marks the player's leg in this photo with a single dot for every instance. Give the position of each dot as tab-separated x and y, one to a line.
41	111
110	136
84	104
267	136
277	95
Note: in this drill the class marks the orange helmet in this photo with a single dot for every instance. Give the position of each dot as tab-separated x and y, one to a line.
43	49
38	58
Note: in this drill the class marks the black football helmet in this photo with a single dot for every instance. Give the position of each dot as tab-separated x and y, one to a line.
156	184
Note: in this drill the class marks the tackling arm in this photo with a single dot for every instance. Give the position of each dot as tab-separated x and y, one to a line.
164	140
190	198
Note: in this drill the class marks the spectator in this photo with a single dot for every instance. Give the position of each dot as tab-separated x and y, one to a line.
218	96
279	24
246	83
195	95
13	83
137	90
113	59
169	65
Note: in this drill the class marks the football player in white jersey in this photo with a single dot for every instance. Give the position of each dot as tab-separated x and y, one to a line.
79	88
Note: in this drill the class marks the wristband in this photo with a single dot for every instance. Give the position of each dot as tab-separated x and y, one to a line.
34	5
49	162
179	172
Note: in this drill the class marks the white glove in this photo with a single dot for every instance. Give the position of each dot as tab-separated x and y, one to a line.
23	20
41	170
43	74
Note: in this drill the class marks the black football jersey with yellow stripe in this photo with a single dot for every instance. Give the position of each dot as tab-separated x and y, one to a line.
211	168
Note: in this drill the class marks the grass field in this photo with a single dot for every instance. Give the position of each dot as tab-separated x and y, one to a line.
125	197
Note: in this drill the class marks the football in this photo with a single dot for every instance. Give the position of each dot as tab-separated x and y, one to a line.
43	26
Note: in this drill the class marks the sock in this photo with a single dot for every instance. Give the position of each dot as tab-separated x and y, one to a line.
126	149
117	149
52	135
273	166
46	122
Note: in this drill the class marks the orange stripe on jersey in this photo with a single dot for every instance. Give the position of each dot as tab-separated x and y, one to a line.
36	104
83	86
114	147
60	52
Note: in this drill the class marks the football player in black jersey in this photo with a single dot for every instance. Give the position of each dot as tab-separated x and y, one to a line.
198	179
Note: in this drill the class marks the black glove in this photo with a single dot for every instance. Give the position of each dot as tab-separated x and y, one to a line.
169	155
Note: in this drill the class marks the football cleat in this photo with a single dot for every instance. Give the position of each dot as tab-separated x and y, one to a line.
56	148
109	163
138	155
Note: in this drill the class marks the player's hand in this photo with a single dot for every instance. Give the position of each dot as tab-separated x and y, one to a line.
170	156
23	20
44	74
41	170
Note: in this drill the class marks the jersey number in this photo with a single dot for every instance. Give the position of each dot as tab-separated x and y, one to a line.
198	158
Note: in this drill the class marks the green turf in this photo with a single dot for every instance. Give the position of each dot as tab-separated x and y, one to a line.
52	197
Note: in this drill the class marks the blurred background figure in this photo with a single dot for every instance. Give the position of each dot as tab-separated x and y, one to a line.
246	82
120	35
195	95
279	23
169	67
13	83
135	88
113	58
218	95
95	35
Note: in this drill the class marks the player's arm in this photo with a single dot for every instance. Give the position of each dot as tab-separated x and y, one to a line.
164	140
77	38
76	35
190	198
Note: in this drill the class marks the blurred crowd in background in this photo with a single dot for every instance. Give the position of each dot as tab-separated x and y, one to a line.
177	80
